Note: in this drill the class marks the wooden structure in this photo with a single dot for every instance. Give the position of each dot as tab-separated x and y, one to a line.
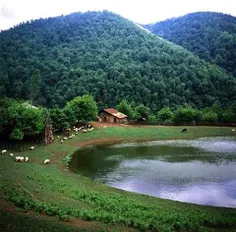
111	115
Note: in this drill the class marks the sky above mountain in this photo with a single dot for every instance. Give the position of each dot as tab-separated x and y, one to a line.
13	12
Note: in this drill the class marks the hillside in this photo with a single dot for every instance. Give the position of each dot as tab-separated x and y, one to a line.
52	60
211	36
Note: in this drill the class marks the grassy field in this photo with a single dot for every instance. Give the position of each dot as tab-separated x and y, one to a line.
76	203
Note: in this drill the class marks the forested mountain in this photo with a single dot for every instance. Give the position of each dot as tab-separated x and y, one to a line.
52	60
211	36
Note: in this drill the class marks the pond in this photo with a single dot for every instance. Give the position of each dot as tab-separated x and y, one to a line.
201	171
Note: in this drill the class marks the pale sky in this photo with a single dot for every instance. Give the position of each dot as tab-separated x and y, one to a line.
13	12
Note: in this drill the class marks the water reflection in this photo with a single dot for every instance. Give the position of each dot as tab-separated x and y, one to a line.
199	171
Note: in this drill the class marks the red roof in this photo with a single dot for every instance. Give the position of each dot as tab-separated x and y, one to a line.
115	113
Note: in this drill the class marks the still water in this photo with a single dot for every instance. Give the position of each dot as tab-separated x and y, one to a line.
201	171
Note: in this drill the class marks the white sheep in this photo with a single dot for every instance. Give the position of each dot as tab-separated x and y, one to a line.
233	130
58	137
62	141
26	159
84	130
46	161
11	154
19	159
4	151
32	148
65	138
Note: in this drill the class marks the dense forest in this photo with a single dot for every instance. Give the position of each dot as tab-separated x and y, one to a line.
211	36
51	61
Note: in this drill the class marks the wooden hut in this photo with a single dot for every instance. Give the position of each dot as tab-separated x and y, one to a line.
111	115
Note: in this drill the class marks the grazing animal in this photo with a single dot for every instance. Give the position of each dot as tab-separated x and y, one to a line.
4	151
26	159
233	130
46	161
32	148
65	138
90	129
184	130
58	137
11	154
84	130
19	159
62	141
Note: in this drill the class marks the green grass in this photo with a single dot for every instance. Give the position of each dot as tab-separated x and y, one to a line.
55	191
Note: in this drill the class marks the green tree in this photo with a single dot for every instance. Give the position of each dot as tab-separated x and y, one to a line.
165	114
8	112
59	119
216	108
84	108
209	116
141	112
232	109
186	114
125	108
19	118
35	85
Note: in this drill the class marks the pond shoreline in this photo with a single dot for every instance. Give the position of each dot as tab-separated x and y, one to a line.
79	197
111	164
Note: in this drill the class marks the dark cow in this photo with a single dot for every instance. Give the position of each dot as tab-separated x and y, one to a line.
184	130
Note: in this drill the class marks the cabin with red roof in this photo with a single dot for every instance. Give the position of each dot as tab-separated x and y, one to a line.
111	115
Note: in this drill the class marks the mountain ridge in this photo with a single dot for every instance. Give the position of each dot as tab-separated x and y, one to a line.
209	35
109	57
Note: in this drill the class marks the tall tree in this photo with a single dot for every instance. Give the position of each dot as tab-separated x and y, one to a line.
35	85
84	108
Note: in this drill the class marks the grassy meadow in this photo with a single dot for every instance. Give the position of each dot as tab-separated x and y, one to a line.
76	203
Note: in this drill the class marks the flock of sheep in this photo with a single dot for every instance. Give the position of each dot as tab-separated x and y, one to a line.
84	129
24	159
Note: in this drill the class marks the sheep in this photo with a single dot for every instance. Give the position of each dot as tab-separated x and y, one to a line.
75	129
233	130
32	148
184	130
91	129
11	154
84	130
58	137
62	141
26	159
65	138
46	161
19	159
70	137
4	151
